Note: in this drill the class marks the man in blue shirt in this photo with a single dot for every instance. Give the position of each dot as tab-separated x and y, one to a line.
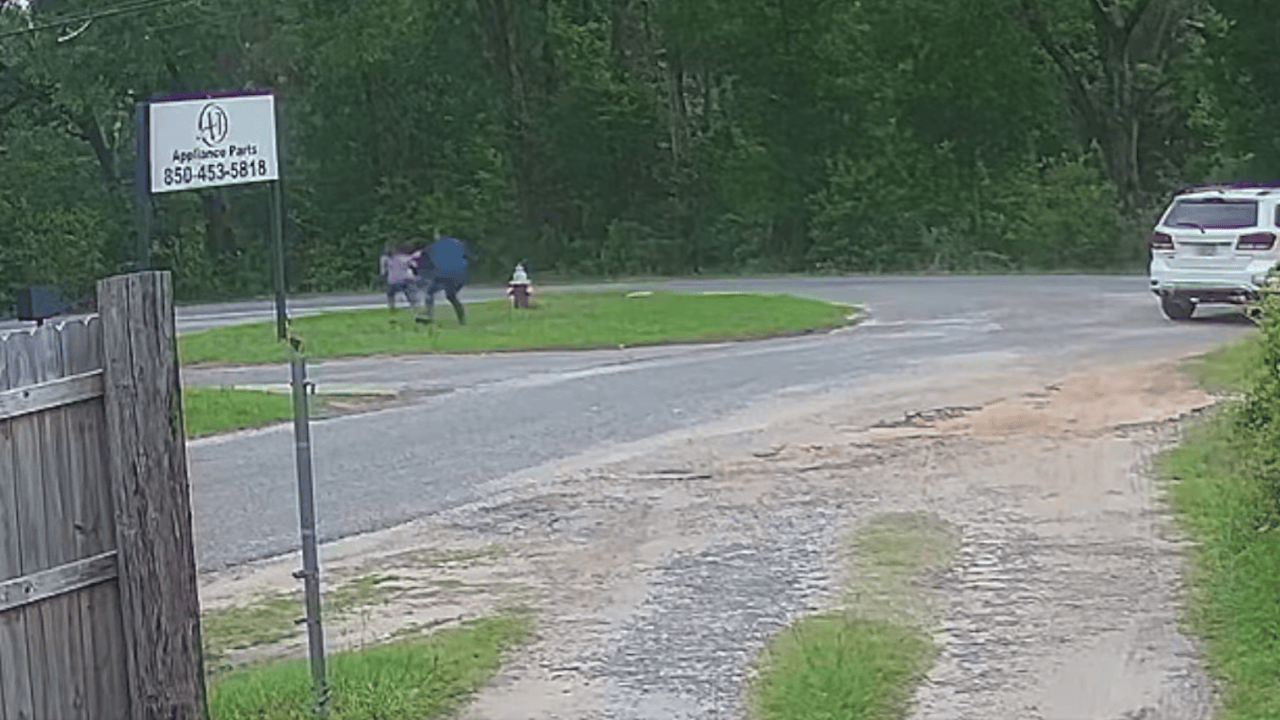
443	266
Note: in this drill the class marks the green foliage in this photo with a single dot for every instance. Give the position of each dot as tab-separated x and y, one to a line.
1238	36
415	678
1063	217
597	139
1226	488
265	619
1229	369
53	232
863	660
1228	510
1129	73
271	618
214	410
1259	415
558	321
841	667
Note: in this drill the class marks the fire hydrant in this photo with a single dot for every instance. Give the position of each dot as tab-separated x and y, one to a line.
519	289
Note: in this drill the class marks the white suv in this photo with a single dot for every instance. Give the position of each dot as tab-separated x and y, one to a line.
1214	244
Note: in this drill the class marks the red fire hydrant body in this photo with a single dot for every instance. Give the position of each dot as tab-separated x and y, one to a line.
519	293
519	289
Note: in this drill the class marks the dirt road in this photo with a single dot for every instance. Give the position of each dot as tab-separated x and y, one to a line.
658	569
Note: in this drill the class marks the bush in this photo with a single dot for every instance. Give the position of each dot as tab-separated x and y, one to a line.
1259	414
1063	217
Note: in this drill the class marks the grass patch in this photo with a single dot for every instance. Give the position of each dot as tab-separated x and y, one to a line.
561	321
1223	485
360	592
890	554
264	620
413	678
1228	369
842	666
1234	589
212	410
271	618
862	660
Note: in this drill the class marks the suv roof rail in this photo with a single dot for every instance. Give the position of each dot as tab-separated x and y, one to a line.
1263	187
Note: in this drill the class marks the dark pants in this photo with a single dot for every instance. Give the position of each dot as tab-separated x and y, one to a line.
408	287
450	283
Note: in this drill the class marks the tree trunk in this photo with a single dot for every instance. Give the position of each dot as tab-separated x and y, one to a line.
1109	108
499	28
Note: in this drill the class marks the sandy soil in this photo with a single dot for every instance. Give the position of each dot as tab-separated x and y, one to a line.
657	569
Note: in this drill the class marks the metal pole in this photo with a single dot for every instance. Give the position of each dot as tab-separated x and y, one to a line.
142	188
277	247
310	573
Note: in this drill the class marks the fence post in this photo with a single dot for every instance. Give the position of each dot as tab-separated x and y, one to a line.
158	586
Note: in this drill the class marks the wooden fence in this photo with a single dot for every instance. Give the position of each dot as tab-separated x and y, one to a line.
99	616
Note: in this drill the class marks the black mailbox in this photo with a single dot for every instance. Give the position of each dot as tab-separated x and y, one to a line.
39	302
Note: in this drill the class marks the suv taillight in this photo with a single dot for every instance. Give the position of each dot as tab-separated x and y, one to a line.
1160	241
1256	241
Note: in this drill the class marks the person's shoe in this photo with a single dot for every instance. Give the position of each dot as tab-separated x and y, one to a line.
423	320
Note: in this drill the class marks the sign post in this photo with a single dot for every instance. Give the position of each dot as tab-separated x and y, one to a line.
141	196
211	141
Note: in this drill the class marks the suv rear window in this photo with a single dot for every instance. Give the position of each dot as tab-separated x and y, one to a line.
1213	213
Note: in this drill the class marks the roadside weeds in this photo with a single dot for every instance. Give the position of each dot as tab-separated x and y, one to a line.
562	321
414	677
863	658
214	410
1221	484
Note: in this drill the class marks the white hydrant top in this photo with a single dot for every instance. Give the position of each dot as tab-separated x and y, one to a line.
520	276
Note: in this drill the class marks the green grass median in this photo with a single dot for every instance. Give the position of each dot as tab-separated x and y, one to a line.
212	410
561	320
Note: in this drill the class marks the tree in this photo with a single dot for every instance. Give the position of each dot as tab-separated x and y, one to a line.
1241	37
1116	60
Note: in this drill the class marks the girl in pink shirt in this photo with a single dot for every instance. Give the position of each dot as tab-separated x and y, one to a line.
396	268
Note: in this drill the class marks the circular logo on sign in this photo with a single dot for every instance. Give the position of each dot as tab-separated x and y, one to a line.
212	125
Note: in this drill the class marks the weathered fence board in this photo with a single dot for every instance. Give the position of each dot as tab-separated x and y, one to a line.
55	469
62	676
61	612
50	394
33	542
151	496
57	581
16	701
75	483
99	617
103	639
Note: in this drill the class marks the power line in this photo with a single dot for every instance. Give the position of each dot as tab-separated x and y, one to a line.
87	17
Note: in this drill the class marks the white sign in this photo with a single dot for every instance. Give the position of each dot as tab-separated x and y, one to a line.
213	141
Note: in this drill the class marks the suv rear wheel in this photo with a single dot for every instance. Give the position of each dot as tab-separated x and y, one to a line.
1176	308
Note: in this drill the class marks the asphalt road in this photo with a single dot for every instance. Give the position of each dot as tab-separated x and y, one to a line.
478	418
